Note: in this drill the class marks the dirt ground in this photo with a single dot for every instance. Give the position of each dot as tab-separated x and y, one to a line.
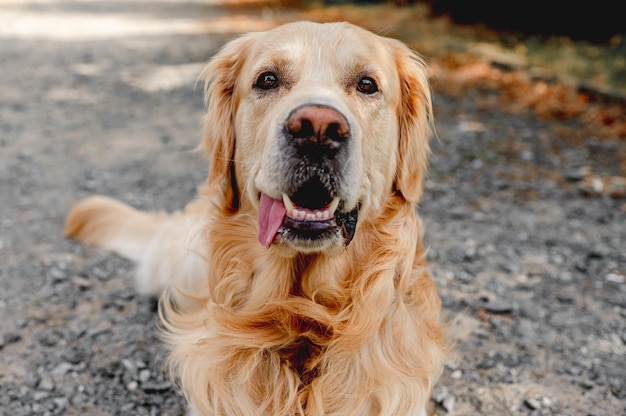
100	97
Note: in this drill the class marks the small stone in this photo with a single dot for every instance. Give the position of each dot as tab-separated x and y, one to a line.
439	394
470	253
40	395
471	126
47	340
101	273
525	330
444	399
132	386
144	375
82	283
565	276
599	251
456	374
57	275
498	306
593	185
11	337
615	278
129	365
578	174
527	155
95	332
464	277
510	267
60	402
557	259
532	404
32	381
448	403
586	384
616	187
46	384
156	387
62	369
477	164
75	355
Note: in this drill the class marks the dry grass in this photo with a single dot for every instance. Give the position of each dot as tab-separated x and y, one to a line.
469	59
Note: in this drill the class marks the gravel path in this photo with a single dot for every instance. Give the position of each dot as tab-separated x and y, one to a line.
99	97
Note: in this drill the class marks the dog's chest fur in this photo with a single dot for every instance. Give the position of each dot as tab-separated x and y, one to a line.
313	336
303	357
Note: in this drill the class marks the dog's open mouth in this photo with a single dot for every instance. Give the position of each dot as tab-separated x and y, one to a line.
309	215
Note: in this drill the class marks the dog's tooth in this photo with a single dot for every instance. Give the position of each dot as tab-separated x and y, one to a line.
288	204
319	215
332	207
298	215
325	215
310	217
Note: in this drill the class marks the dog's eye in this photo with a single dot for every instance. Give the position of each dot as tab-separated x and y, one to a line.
367	85
266	81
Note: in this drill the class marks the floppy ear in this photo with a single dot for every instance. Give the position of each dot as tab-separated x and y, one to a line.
415	123
220	80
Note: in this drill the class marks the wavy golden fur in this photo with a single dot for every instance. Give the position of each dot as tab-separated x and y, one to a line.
340	328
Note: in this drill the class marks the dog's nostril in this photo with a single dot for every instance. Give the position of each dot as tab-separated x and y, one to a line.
336	133
300	128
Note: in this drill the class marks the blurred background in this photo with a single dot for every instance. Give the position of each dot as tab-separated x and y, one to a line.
524	207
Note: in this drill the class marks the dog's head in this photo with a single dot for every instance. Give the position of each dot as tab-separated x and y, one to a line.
313	126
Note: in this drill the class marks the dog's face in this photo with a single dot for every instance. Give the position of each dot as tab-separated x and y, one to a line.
314	126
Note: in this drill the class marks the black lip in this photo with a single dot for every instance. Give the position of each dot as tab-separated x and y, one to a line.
309	230
347	221
309	225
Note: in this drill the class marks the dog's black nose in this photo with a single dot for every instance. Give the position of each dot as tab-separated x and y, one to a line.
319	126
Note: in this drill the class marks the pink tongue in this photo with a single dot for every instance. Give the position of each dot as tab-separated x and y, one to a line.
271	215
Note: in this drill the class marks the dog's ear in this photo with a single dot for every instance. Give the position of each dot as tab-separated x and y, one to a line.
220	81
415	123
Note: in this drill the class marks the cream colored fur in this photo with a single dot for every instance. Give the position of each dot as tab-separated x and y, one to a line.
252	331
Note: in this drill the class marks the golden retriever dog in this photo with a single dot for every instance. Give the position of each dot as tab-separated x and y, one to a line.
296	283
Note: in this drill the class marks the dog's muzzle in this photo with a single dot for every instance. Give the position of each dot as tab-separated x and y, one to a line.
310	210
